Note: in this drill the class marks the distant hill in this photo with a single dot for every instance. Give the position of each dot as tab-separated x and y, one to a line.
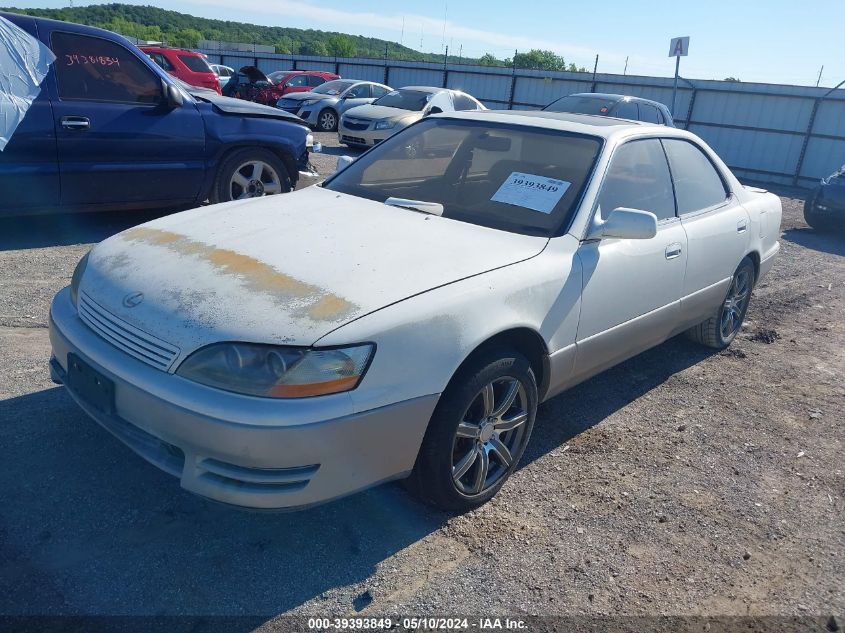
181	29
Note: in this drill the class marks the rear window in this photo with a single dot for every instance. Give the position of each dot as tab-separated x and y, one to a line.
581	105
520	179
413	100
195	63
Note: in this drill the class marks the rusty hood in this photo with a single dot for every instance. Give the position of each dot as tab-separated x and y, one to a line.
283	269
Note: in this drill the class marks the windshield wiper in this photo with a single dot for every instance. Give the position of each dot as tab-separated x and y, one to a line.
432	208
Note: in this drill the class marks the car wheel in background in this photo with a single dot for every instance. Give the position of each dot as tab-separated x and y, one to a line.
250	173
721	329
478	432
811	216
327	120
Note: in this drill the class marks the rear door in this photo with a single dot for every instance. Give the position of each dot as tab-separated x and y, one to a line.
716	225
29	168
118	142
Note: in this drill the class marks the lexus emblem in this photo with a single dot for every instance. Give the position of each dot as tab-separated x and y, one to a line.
133	299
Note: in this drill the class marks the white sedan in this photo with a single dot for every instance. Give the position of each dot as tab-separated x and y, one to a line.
404	319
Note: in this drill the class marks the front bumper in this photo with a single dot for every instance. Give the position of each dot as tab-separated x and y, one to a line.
364	138
242	450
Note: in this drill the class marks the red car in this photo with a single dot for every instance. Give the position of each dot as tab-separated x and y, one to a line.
186	65
299	80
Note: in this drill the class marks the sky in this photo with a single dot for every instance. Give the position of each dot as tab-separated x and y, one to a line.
776	41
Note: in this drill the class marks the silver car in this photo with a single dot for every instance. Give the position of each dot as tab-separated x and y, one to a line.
370	124
404	319
322	107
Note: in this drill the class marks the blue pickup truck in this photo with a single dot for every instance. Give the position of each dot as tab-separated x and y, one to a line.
123	134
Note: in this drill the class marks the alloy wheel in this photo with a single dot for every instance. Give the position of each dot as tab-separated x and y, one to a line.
328	121
491	432
733	309
254	179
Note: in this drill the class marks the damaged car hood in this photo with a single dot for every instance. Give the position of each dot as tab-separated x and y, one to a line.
229	105
284	269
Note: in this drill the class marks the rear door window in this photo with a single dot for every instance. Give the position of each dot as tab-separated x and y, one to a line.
378	91
315	80
648	113
162	61
464	102
627	110
95	69
697	183
638	178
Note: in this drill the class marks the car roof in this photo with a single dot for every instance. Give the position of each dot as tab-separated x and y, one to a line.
608	96
588	124
431	89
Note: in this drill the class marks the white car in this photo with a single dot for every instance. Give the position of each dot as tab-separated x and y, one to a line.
224	73
367	125
406	317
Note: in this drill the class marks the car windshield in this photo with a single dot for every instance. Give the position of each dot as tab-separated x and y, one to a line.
581	105
333	87
414	100
516	178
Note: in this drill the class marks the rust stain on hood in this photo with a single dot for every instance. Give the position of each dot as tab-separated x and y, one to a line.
257	275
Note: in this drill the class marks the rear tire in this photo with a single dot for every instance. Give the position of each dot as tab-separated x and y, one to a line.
251	172
810	216
721	329
477	433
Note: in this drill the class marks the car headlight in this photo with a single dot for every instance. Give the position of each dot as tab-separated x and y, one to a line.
272	371
384	125
77	277
309	141
309	102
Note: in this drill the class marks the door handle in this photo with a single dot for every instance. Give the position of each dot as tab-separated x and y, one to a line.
75	123
741	226
673	251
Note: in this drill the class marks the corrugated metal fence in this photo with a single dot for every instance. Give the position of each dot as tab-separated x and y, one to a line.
787	135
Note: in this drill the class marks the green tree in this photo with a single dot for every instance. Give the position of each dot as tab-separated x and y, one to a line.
341	45
316	48
488	59
540	59
732	79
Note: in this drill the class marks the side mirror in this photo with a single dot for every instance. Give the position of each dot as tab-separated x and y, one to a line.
434	110
627	224
343	162
172	95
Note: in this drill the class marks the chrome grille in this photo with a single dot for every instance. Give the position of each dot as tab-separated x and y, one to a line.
127	338
352	124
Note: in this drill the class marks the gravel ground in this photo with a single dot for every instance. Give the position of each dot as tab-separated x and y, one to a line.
681	482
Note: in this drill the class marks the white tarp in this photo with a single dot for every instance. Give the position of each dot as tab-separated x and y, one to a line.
24	62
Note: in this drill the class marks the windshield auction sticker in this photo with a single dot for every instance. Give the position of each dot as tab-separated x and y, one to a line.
537	193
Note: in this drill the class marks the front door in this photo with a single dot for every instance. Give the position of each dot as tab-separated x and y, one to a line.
631	288
118	142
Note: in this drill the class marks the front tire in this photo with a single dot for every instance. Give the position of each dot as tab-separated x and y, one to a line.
327	120
250	173
478	432
721	329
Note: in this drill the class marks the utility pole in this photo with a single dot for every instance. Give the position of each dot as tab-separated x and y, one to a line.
820	76
461	54
625	72
595	68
